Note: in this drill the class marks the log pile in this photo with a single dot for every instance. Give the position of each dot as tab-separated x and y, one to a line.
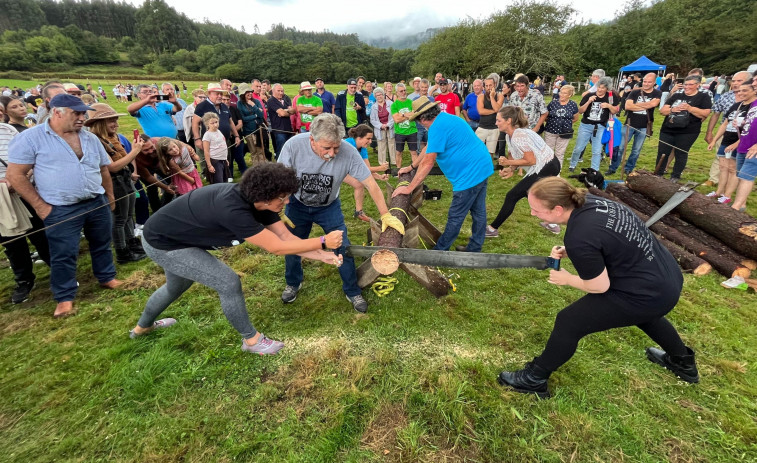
700	233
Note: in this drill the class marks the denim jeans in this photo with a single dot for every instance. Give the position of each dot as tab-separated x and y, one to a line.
638	136
64	244
584	137
279	138
237	155
329	218
474	200
473	124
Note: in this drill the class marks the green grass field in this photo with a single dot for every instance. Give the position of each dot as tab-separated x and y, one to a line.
413	380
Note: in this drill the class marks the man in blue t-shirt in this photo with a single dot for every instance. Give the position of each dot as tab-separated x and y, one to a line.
155	117
325	96
465	162
470	108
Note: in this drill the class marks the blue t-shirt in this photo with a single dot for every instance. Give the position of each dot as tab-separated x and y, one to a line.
470	105
363	152
157	121
328	100
465	161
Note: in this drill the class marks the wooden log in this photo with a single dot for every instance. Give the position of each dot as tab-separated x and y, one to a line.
690	237
366	274
669	238
429	278
391	238
736	229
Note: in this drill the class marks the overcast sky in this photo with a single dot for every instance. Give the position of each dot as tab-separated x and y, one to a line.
379	19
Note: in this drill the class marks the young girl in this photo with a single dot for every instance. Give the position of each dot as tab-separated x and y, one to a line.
178	161
361	137
214	147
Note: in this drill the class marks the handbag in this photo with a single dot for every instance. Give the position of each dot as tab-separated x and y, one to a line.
678	120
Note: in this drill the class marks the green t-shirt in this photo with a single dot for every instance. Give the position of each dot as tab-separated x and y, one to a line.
312	102
351	113
404	127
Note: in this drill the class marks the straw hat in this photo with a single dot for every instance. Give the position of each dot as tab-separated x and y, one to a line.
420	106
99	112
215	87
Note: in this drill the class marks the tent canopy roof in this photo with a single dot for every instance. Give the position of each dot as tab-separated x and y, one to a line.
643	64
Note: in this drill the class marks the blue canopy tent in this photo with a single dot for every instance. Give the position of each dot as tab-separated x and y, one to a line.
642	64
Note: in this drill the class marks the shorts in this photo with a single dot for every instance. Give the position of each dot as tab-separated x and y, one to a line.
489	137
746	168
412	142
721	152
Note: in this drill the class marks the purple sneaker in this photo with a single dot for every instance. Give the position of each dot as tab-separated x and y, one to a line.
264	346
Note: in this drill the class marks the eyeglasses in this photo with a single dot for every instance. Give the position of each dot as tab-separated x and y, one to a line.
202	98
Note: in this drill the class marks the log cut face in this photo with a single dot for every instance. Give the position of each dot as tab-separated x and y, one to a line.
737	229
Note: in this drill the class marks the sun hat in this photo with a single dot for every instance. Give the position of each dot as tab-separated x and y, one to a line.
101	111
306	86
421	105
244	88
215	87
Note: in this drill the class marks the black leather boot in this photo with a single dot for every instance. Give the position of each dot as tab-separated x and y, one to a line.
683	366
125	255
135	246
532	379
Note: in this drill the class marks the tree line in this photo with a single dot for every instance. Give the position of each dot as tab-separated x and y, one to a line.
537	37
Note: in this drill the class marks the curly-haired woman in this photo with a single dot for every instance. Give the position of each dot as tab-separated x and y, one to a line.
179	236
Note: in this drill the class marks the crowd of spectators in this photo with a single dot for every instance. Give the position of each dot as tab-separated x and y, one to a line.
112	182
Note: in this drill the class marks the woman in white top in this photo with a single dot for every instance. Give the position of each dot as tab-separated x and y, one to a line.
527	151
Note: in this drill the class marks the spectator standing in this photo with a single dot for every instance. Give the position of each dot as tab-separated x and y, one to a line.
470	105
103	123
236	151
327	98
279	111
350	105
72	185
308	105
405	131
198	96
178	117
562	113
155	117
214	103
746	162
448	102
488	104
597	109
383	127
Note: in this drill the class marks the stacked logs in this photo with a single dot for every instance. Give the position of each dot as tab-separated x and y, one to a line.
700	233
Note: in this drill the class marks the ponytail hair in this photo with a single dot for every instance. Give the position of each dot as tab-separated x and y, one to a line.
359	131
516	115
556	191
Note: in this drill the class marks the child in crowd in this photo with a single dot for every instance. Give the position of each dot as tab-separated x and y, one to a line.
178	161
360	137
214	147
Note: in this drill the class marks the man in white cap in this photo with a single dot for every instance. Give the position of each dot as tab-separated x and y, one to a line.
416	89
308	105
71	193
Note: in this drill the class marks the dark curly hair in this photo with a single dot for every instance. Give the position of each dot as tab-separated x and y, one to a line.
266	182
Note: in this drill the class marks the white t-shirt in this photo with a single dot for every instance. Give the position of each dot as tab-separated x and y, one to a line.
524	140
217	145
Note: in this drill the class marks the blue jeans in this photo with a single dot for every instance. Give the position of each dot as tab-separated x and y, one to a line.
474	200
64	244
237	154
422	134
279	138
473	124
584	137
329	218
638	136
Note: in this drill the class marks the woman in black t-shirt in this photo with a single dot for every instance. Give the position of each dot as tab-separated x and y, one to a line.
630	279
679	136
179	235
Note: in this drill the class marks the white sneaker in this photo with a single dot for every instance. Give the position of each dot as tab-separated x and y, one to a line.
712	194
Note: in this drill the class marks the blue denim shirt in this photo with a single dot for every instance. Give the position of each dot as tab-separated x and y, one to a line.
61	178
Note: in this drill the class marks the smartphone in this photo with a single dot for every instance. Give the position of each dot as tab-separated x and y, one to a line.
136	134
163	97
679	81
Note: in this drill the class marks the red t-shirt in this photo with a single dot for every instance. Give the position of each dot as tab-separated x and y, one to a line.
448	102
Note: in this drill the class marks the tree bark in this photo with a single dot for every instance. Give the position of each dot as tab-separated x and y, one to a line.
391	238
676	243
737	229
724	259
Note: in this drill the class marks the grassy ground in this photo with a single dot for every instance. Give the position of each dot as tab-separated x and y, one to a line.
411	380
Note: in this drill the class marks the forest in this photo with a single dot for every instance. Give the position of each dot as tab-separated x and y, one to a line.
535	37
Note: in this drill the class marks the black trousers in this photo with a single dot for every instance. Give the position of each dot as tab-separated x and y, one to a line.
520	190
600	312
18	251
682	143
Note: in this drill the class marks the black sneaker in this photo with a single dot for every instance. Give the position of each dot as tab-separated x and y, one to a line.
290	293
358	303
21	292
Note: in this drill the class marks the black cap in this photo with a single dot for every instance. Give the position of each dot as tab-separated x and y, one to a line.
317	79
351	82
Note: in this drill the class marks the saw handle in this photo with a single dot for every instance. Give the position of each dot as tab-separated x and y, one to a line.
553	263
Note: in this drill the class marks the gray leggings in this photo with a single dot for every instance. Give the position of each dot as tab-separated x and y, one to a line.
185	266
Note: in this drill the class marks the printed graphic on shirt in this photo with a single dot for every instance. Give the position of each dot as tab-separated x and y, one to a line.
316	189
595	113
405	124
621	221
